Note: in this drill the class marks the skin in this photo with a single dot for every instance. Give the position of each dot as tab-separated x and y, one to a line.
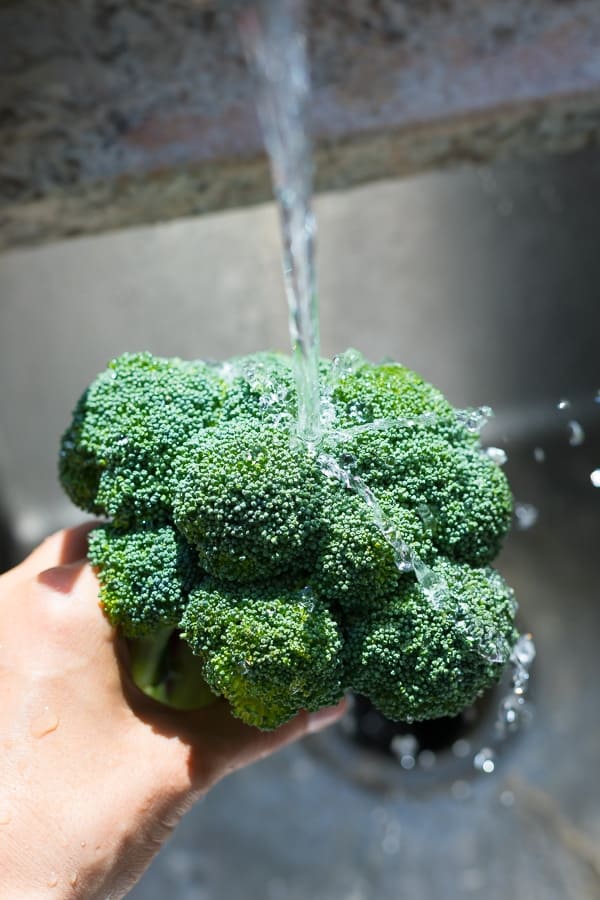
94	776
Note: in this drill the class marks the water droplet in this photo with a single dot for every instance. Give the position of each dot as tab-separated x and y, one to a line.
404	745
44	724
539	454
474	419
495	649
576	433
53	877
73	879
328	412
526	515
425	514
483	761
83	844
407	762
524	650
595	478
597	397
4	816
497	455
346	363
563	404
433	585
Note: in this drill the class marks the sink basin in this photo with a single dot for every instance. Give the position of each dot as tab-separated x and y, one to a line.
486	281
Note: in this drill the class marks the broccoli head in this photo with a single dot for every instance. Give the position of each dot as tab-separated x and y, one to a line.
245	563
269	652
418	659
248	501
117	457
147	574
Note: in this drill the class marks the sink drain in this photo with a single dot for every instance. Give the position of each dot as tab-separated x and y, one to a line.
420	741
391	757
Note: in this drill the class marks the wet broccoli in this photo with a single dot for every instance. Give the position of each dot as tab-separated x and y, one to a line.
243	562
416	659
270	652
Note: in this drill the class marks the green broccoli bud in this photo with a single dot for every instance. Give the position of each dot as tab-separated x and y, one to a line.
145	576
357	566
364	393
260	387
416	659
465	492
117	457
269	652
248	502
291	570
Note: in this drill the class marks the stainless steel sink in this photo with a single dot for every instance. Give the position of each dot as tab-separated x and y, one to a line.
488	282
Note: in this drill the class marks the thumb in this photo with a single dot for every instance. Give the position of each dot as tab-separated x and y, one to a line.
223	744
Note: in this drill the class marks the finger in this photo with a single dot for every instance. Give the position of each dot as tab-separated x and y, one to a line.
59	549
225	744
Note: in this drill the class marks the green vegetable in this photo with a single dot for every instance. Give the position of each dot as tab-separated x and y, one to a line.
241	562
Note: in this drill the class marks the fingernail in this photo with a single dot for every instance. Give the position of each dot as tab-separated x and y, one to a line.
324	717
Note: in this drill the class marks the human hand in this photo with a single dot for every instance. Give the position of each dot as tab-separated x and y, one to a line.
94	775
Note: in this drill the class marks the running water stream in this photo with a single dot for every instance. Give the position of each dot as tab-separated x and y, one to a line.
274	42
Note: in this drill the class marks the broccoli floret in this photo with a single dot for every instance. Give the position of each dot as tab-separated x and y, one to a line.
243	562
465	492
145	576
259	386
363	393
269	652
418	659
357	566
117	456
248	501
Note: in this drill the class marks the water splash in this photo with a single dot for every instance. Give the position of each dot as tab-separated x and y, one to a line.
526	515
576	433
405	748
514	710
497	455
403	555
474	420
485	760
432	583
274	43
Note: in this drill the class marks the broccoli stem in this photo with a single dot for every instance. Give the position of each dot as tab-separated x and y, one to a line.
164	668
